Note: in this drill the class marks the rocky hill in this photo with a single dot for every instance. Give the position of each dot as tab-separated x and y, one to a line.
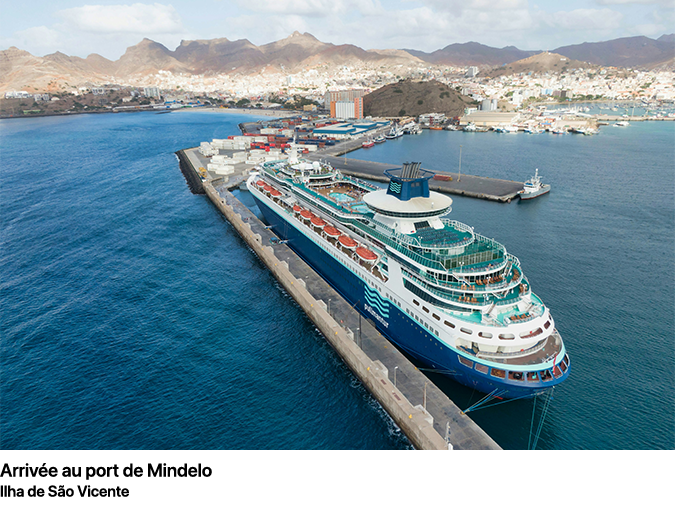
637	51
543	62
19	70
412	98
472	53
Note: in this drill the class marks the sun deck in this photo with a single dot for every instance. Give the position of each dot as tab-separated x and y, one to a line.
543	351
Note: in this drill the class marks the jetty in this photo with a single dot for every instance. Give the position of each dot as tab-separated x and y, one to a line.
428	418
488	188
498	190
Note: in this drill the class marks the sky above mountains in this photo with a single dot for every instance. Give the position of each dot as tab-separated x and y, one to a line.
108	28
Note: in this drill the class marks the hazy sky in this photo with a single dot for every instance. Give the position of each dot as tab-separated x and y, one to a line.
109	27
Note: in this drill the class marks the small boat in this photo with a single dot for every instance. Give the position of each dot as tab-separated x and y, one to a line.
368	144
394	133
347	242
332	232
366	255
379	139
621	123
533	188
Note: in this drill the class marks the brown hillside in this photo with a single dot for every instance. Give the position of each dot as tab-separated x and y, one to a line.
537	64
413	98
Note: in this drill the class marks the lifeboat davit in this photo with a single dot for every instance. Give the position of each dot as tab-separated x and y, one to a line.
318	222
347	242
366	255
331	232
297	208
306	214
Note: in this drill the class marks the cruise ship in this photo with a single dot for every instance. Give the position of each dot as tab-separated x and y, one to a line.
451	298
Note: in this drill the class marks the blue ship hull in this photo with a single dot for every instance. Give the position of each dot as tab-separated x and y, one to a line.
401	330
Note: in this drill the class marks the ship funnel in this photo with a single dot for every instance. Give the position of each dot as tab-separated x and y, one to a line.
410	170
409	181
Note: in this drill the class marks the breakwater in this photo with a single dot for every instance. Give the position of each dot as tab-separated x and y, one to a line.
192	178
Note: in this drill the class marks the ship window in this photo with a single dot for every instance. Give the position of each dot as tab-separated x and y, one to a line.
495	372
516	376
437	317
485	335
465	362
547	324
507	336
466	331
448	324
425	309
416	302
531	334
481	368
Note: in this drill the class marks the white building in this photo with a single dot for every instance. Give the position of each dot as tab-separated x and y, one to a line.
152	92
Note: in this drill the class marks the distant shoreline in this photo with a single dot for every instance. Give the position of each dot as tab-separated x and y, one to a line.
261	112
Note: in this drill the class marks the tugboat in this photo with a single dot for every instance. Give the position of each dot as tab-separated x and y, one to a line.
533	188
368	144
379	139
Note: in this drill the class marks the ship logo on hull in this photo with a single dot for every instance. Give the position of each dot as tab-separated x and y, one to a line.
376	305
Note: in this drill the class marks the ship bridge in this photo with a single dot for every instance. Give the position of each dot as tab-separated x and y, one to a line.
407	205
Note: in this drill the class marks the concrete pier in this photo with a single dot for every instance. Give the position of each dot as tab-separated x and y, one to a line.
498	190
373	359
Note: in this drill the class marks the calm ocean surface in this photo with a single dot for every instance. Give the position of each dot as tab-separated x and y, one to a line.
133	317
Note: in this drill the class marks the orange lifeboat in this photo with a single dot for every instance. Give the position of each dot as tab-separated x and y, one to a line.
318	222
275	193
267	188
306	214
331	232
297	209
347	242
366	255
260	183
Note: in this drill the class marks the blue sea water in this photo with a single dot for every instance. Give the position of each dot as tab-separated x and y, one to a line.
598	249
134	317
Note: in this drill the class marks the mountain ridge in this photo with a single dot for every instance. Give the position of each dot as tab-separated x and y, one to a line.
20	70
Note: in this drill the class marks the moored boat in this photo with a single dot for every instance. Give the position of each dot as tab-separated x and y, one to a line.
534	188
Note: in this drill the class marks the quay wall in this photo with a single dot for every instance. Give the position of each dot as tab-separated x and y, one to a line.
192	178
412	420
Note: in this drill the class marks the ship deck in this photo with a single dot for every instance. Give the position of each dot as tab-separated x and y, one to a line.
551	348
